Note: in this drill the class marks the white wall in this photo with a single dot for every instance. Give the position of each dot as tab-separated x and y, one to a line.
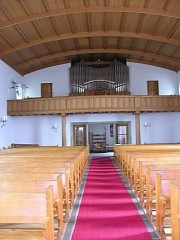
161	127
141	73
58	75
7	73
37	129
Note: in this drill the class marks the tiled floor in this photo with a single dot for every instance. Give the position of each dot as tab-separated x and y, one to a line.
71	223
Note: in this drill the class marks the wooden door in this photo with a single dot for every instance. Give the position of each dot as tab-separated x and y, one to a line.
153	87
122	133
46	90
79	135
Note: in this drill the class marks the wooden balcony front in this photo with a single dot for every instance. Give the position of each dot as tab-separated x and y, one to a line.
93	104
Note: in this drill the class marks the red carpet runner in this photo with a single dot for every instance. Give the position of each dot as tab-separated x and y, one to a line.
107	211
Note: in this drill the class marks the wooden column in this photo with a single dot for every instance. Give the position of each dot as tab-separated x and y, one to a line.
138	133
63	129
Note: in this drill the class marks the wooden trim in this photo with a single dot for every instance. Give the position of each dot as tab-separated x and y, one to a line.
138	133
93	104
63	129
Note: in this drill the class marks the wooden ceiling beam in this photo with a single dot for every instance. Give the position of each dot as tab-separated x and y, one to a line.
156	25
152	63
38	30
25	7
7	40
173	29
21	33
140	22
87	51
5	11
29	70
36	52
88	22
71	11
91	34
167	4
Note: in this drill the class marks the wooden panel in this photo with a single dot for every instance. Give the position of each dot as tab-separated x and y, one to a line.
93	104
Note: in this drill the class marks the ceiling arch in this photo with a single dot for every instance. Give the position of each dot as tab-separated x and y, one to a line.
39	33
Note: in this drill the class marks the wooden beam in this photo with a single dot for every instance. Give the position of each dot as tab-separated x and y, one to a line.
138	133
89	34
79	10
63	129
87	51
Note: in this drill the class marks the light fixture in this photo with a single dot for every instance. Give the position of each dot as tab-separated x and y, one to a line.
54	127
146	125
3	120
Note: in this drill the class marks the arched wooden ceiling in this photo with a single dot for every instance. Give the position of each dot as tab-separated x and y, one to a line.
35	34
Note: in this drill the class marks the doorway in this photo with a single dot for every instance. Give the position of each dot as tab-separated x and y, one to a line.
122	136
79	135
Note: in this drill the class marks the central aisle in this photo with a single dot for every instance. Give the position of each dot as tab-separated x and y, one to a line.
107	211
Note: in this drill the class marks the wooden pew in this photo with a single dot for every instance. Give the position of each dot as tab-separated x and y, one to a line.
175	209
31	162
27	209
162	194
30	186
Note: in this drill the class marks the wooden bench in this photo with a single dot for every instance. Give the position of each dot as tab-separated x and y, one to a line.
27	209
32	170
175	209
163	204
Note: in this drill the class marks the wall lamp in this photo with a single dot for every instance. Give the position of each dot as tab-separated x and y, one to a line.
3	120
146	125
54	127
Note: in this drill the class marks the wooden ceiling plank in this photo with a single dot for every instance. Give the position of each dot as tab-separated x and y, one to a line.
86	3
25	7
65	4
173	29
147	46
21	33
133	44
71	11
49	49
77	44
91	34
91	43
146	3
71	24
174	52
45	5
140	22
156	26
24	59
167	4
54	26
122	22
88	22
38	30
160	48
86	51
62	46
7	40
36	52
119	43
5	11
